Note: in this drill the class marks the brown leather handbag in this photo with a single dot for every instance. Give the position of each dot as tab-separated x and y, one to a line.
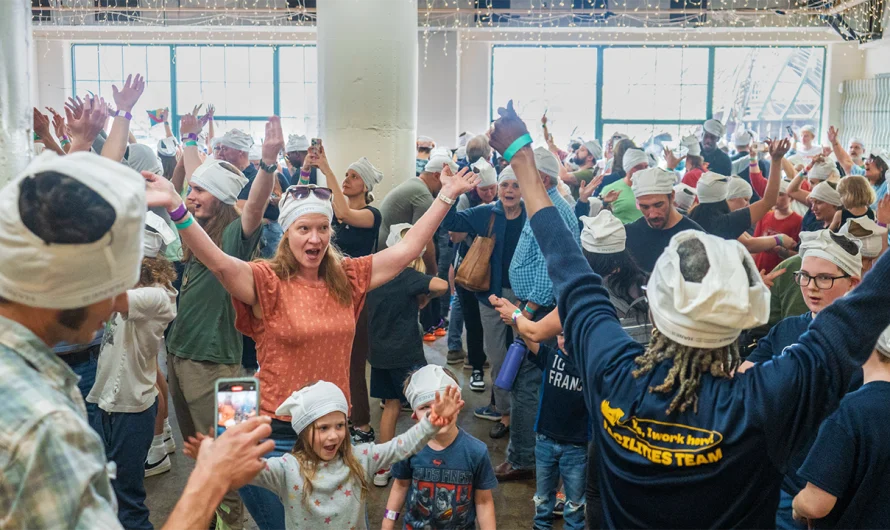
474	273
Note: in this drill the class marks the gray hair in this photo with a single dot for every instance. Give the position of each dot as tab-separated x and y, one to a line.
478	148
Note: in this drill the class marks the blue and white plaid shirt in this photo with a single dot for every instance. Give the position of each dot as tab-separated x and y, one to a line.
53	470
528	270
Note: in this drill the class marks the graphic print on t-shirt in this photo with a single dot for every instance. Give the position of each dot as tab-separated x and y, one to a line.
441	497
668	444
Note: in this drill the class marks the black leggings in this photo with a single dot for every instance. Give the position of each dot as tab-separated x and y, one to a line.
469	306
594	505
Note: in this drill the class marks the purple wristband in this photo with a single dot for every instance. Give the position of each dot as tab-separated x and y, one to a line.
190	136
882	225
778	241
177	214
123	114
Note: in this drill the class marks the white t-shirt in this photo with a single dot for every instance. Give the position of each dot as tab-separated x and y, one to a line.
128	362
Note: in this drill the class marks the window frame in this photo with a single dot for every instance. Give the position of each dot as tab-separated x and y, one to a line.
601	124
174	107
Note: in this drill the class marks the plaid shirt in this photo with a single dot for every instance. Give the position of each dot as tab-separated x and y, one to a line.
53	470
528	270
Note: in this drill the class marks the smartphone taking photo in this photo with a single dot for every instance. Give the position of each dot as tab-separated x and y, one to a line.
237	400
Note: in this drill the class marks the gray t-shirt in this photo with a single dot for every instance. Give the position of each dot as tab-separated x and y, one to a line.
405	204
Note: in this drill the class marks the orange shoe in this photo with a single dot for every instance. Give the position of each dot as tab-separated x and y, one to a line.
440	332
429	337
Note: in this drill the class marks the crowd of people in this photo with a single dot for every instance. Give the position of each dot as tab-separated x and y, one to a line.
675	334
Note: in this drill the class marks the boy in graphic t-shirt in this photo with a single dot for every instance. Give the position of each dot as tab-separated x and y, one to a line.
448	483
563	431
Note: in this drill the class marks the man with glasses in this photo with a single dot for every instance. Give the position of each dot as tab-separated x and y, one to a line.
831	266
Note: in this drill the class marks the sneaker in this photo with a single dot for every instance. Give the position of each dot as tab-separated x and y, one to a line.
440	332
498	430
429	337
161	466
169	442
381	478
361	437
560	505
455	356
477	381
486	413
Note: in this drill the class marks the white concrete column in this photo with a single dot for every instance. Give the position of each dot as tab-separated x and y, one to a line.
367	85
16	118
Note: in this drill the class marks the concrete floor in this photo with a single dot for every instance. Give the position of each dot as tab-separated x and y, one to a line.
513	500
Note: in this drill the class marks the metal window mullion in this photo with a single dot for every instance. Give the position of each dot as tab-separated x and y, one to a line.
174	105
598	124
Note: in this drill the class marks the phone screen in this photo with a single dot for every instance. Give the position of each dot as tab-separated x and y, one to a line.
237	400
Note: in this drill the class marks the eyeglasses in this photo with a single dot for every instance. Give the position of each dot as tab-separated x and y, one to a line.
302	192
823	281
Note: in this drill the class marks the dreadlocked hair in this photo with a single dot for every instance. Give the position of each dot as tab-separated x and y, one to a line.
689	365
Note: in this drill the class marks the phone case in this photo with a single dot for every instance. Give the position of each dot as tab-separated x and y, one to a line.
253	380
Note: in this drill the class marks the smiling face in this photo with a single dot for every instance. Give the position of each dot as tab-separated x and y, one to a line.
656	209
807	137
353	185
487	193
509	194
822	210
818	299
308	239
328	433
201	203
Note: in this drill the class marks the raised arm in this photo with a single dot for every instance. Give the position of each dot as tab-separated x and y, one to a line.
357	218
178	178
124	99
391	261
264	182
85	122
843	157
235	275
42	130
777	150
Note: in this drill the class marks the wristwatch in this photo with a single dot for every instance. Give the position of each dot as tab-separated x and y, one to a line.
268	169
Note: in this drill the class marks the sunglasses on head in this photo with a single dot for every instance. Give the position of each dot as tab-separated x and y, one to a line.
302	192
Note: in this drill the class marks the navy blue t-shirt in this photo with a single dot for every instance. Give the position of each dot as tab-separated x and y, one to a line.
784	334
850	460
444	483
250	173
810	223
562	411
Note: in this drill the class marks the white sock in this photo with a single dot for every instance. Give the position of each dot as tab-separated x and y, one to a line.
167	430
158	440
156	453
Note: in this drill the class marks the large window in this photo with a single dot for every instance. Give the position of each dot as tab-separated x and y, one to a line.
659	91
246	84
560	81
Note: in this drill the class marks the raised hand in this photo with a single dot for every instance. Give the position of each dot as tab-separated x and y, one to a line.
41	124
197	110
671	159
611	197
506	129
125	98
190	125
273	144
455	185
585	191
446	407
208	116
58	123
778	148
75	106
160	192
833	134
92	120
770	278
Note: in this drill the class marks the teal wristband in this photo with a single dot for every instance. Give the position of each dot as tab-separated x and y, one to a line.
516	314
191	143
517	144
186	223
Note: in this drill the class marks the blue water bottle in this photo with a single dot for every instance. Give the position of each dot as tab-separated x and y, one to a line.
515	354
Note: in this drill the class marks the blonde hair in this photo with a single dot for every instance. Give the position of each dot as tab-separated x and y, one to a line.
286	266
856	192
309	460
158	271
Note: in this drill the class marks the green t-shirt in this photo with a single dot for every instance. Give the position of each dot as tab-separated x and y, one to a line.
786	300
625	206
204	329
583	176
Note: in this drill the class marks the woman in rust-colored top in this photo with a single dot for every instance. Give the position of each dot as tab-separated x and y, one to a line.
301	306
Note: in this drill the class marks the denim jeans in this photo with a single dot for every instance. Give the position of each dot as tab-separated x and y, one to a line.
270	238
784	519
87	373
557	460
127	438
455	325
263	505
523	411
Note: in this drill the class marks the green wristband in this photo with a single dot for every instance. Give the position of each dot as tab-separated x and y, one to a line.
191	143
186	223
517	144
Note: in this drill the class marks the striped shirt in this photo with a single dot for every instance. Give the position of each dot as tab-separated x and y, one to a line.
53	470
